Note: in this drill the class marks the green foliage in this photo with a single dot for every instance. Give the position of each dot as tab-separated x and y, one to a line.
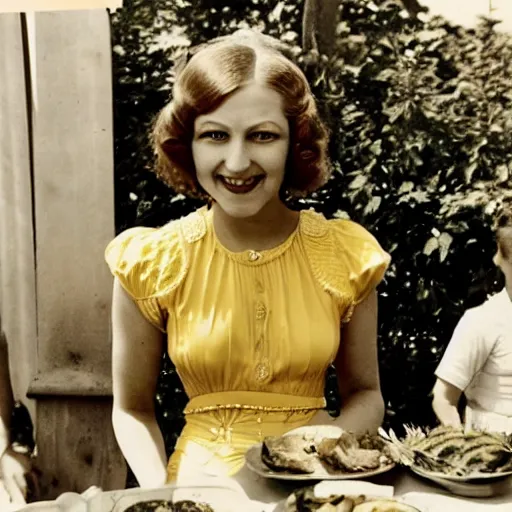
421	118
147	37
421	114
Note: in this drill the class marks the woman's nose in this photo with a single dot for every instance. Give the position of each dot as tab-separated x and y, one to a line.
237	157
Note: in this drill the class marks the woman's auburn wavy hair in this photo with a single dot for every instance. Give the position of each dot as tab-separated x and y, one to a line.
215	72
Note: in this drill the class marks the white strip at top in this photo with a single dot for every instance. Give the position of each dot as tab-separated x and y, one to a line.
57	5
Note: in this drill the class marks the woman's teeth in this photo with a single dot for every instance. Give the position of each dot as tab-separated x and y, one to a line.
237	186
240	183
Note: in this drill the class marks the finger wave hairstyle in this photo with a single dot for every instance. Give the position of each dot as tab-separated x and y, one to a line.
211	75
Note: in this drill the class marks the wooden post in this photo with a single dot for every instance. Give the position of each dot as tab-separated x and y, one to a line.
319	22
74	220
17	268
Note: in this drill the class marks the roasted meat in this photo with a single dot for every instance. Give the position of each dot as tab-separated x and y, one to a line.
289	453
371	442
345	454
348	453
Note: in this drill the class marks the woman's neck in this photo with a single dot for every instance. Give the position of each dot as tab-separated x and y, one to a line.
271	227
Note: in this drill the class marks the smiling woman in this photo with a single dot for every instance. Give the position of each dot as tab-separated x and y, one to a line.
242	168
278	94
256	299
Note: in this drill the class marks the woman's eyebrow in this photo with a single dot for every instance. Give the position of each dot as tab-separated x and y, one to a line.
262	123
207	122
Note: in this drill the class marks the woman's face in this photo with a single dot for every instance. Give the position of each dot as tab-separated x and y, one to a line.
240	150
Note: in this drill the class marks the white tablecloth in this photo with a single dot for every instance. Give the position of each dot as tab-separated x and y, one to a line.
416	491
265	494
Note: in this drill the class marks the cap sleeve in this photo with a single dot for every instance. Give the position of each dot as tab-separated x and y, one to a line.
149	264
365	261
345	258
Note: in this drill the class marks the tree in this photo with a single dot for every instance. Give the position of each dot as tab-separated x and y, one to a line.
319	23
321	18
413	7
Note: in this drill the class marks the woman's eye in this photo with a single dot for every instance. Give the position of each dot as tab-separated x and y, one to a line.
264	136
214	135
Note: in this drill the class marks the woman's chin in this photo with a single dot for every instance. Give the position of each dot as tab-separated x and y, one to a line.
246	206
245	211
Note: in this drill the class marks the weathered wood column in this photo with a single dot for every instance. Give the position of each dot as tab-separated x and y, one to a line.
74	220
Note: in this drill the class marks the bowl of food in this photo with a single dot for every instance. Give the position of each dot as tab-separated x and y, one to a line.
325	497
465	462
472	488
301	457
212	497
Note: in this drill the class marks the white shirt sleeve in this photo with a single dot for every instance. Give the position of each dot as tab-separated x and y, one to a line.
466	353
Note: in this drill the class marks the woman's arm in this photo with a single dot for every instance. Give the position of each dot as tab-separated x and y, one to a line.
136	357
445	402
358	373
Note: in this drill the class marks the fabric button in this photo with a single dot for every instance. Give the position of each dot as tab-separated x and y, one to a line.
254	256
261	311
262	371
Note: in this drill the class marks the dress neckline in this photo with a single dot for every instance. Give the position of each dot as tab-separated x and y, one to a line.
249	256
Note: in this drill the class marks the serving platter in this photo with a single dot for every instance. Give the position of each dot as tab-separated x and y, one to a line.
348	496
475	486
386	505
322	472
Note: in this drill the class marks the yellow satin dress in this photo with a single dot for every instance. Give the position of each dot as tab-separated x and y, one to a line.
251	333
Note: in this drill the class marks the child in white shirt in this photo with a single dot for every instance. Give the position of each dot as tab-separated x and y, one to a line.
478	359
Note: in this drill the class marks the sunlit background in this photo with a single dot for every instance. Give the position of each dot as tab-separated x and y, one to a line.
466	12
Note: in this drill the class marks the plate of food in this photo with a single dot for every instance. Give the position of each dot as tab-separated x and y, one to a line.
325	498
170	506
178	498
302	457
466	462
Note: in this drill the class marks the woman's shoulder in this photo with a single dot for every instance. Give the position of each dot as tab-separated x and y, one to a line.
150	261
346	257
343	238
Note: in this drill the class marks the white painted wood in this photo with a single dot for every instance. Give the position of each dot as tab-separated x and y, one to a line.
73	183
74	221
17	268
57	5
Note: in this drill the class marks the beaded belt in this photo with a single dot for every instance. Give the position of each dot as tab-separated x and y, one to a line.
254	401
